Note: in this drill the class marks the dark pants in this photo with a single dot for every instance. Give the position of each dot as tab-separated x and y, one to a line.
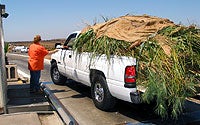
35	80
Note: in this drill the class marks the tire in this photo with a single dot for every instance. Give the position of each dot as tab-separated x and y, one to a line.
56	77
100	94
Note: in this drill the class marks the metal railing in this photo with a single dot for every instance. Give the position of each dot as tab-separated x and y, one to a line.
59	107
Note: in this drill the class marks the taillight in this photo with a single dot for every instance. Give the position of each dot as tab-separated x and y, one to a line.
130	76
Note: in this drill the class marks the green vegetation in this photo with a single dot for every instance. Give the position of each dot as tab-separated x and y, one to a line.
6	47
170	77
87	42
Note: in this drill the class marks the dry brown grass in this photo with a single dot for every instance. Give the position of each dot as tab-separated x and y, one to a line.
48	44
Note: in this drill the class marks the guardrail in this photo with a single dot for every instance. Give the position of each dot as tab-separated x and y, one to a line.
59	107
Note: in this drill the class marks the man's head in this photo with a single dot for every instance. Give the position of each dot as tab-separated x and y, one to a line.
37	39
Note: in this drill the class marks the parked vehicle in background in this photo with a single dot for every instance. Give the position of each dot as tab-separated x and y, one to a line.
17	48
109	80
24	50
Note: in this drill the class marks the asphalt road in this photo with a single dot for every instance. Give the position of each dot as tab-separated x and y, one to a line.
22	64
124	112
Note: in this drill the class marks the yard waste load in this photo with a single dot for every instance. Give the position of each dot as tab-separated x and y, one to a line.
168	56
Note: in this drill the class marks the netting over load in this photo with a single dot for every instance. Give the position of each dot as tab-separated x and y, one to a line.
129	28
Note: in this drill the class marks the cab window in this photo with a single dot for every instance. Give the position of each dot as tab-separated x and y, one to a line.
70	40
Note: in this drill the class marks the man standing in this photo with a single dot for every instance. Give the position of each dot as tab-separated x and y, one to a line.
36	63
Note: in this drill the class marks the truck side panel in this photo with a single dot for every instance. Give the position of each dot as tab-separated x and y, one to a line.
114	73
82	62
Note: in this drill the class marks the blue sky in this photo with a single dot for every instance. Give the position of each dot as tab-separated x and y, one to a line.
54	19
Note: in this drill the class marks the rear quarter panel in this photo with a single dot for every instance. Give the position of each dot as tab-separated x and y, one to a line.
114	70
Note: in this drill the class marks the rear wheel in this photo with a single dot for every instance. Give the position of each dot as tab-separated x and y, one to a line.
56	77
101	95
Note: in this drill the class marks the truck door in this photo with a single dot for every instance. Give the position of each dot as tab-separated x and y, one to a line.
60	60
69	56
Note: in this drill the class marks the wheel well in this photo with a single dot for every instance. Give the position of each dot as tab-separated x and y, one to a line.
53	61
94	72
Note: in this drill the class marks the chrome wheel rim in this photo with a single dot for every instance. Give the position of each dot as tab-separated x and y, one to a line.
98	92
56	74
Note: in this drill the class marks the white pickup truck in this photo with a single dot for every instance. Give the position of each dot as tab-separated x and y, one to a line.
109	80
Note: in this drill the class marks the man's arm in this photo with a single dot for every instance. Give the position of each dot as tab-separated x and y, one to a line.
53	51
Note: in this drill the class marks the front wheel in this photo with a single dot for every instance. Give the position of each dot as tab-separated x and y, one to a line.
56	77
101	95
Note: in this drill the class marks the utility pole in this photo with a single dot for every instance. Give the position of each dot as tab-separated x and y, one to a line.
3	77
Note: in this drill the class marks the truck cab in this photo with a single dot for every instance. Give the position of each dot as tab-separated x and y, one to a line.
109	79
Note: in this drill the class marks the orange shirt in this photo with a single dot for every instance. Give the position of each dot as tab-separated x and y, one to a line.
36	57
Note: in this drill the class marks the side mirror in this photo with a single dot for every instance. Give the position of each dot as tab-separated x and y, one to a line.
58	46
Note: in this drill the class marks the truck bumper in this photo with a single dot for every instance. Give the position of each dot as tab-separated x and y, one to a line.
135	97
